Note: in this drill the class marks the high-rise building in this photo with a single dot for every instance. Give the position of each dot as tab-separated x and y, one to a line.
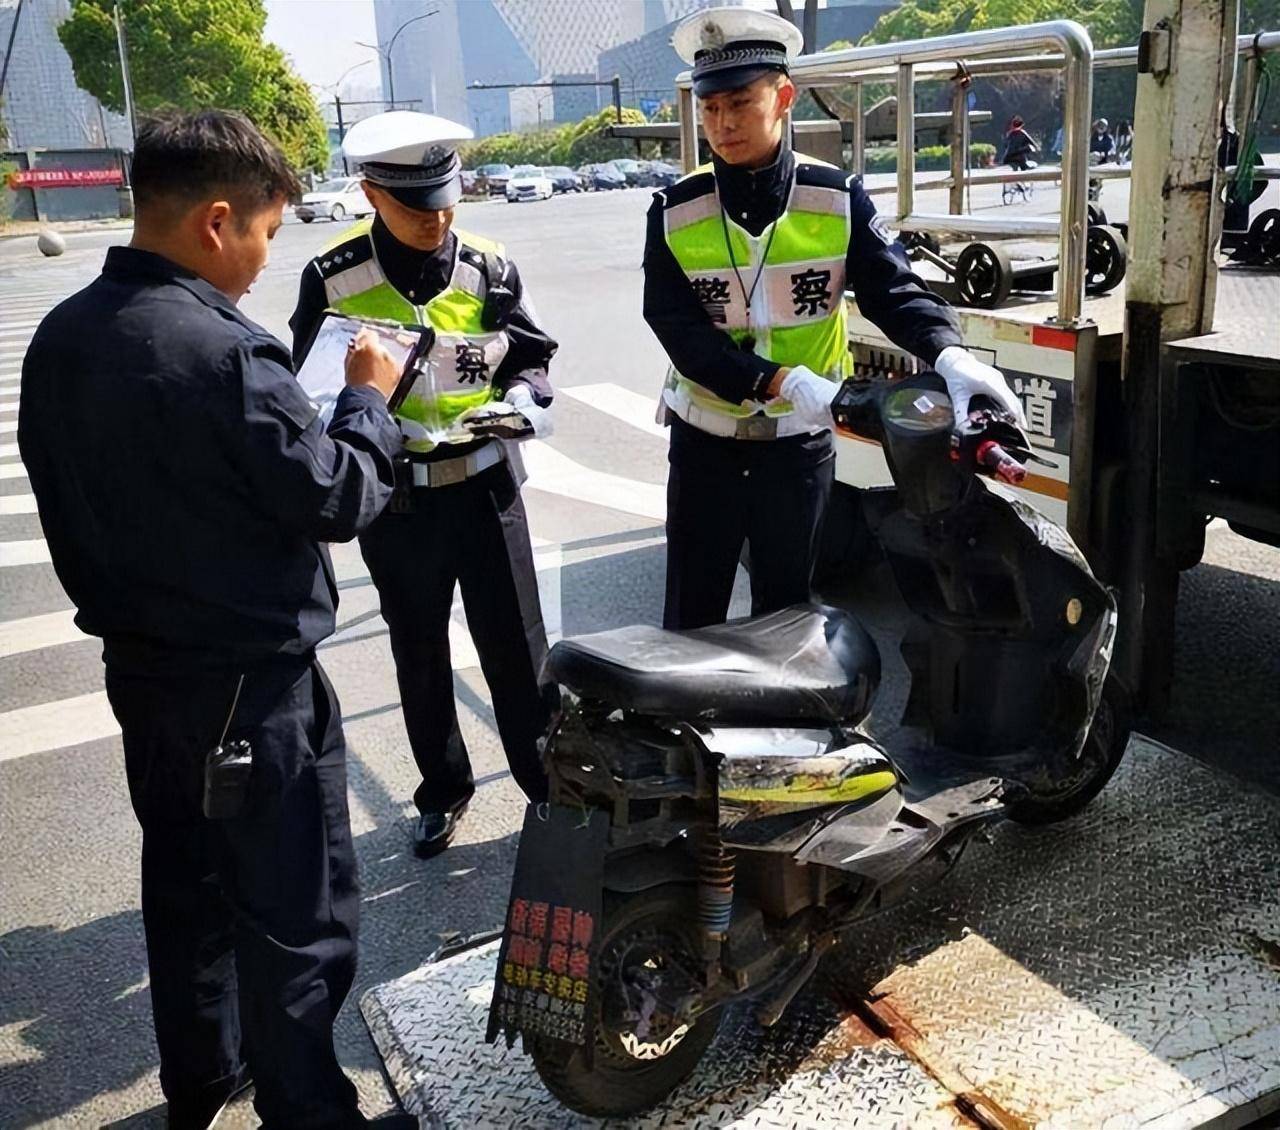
434	62
648	64
43	108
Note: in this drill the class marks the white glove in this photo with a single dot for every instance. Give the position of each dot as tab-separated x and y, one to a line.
521	399
968	377
810	396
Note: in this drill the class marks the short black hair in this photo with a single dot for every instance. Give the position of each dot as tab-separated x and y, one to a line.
181	159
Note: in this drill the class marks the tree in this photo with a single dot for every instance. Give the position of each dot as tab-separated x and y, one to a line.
196	55
573	144
1111	23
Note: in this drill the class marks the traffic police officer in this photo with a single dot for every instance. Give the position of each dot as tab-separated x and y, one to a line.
458	516
746	264
185	486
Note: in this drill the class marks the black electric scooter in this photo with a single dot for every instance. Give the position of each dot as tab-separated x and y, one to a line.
729	820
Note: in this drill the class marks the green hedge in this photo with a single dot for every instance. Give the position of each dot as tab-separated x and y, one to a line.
573	144
928	158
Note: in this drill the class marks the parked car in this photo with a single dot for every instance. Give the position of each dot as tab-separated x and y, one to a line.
335	200
658	174
563	179
631	170
601	178
470	182
528	182
494	179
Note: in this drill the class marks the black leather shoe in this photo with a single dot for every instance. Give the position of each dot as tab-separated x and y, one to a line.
203	1112
434	831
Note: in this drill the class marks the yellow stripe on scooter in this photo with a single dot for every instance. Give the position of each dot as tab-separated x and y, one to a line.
815	790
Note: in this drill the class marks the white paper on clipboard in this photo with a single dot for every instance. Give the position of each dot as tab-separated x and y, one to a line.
322	375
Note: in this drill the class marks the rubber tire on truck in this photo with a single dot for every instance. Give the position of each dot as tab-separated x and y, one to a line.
1106	258
1104	747
984	275
615	1085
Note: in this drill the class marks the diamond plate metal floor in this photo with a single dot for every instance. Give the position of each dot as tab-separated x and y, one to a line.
1120	970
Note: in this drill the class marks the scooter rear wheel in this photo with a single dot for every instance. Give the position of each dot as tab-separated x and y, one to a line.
1104	747
626	1075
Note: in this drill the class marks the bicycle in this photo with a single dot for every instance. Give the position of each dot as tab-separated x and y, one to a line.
1013	189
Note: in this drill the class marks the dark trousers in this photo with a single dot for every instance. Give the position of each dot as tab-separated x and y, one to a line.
250	921
473	534
721	493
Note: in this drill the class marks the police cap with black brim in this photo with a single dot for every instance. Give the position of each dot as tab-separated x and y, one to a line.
413	156
730	48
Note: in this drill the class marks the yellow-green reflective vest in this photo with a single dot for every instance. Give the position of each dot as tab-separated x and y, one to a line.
797	313
458	372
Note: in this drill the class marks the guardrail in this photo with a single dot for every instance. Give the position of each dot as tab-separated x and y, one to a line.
1074	49
1060	45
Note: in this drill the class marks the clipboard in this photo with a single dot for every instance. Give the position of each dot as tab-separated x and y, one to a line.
322	374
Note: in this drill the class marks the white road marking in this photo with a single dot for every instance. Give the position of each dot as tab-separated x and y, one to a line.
17	504
83	718
30	551
12	471
8	425
8	450
620	403
34	633
554	473
56	725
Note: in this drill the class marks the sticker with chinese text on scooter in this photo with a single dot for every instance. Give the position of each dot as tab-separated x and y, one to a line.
545	982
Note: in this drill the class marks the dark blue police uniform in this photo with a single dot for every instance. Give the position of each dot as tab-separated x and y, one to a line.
771	495
185	486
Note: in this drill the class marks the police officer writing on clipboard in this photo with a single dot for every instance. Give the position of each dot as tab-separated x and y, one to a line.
457	517
185	485
746	264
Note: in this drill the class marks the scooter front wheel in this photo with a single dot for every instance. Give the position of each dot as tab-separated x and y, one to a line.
643	1048
1103	749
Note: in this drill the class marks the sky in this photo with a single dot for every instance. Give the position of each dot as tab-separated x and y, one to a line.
320	36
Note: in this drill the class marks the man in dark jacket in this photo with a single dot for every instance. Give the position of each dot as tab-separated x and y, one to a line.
185	485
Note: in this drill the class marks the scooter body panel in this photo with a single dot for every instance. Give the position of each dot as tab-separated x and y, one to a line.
777	787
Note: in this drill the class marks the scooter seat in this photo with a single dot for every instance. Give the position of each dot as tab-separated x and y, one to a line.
807	663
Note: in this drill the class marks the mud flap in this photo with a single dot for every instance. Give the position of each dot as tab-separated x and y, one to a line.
545	981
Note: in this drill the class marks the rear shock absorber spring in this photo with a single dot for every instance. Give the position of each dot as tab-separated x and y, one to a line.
715	884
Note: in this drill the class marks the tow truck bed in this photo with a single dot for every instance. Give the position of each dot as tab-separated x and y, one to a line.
1119	970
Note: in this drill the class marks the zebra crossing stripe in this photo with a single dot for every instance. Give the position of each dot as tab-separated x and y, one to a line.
56	725
27	551
12	470
17	504
35	633
621	403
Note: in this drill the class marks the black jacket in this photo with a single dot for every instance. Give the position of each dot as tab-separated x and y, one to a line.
877	271
183	480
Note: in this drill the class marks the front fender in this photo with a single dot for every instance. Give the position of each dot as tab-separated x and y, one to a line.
646	868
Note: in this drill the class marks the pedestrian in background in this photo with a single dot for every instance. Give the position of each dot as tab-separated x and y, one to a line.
185	485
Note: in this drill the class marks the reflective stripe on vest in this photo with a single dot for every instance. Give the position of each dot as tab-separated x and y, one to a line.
797	313
458	371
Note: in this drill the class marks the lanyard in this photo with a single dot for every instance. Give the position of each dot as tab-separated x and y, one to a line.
747	295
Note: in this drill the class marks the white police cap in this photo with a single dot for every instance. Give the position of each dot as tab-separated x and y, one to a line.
732	47
414	156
